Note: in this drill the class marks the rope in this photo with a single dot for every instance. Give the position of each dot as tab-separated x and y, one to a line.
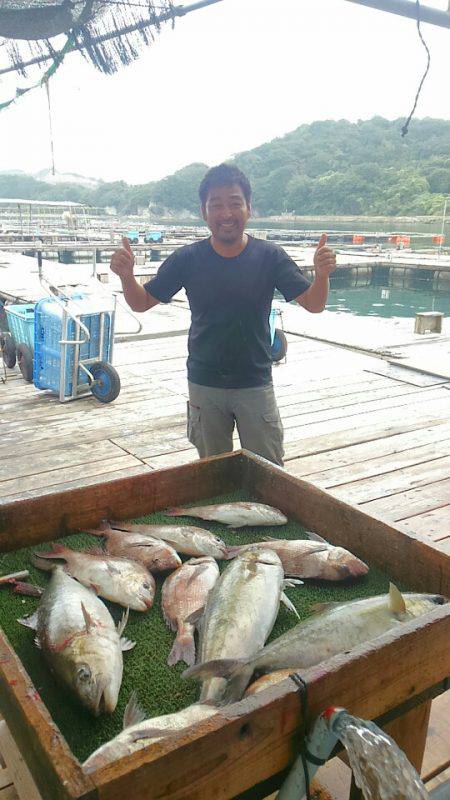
52	150
303	690
406	125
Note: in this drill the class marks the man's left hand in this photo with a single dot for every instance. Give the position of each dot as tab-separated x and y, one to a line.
324	259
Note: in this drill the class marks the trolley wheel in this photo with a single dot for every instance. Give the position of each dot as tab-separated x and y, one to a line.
25	361
279	347
106	386
8	349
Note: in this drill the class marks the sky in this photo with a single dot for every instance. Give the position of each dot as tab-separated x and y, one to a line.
226	79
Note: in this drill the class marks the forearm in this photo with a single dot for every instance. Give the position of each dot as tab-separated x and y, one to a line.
136	296
315	298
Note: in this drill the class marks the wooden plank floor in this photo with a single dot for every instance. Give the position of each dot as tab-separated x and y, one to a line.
379	441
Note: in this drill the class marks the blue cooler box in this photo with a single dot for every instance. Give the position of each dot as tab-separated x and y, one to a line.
50	357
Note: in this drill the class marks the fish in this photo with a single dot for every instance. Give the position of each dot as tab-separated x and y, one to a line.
240	612
117	579
80	642
186	539
146	548
302	558
270	679
235	515
333	628
139	732
185	592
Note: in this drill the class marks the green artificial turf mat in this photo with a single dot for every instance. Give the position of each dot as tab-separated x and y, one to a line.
160	688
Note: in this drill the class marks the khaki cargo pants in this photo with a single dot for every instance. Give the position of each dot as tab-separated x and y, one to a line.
213	413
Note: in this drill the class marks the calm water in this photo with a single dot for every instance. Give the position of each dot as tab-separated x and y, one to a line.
386	301
376	300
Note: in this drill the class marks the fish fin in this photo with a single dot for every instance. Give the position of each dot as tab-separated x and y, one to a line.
118	525
27	589
153	733
219	668
31	621
122	623
94	588
397	603
315	537
102	529
291	582
90	622
317	608
288	603
177	512
95	551
37	643
196	616
126	644
232	552
133	713
183	648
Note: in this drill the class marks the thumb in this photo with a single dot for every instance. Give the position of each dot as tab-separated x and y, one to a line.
126	244
322	241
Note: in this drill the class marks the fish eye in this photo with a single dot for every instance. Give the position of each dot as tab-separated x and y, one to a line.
146	586
83	673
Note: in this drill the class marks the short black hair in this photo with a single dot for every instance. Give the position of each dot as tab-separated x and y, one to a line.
224	175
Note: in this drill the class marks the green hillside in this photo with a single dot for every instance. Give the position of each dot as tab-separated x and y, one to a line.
328	167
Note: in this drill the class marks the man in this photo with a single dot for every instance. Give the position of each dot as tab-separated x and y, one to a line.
230	279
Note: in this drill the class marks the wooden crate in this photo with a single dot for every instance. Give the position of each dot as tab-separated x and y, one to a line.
248	743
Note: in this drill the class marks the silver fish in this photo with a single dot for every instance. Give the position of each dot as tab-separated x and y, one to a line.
117	579
335	628
146	548
302	558
184	593
80	642
235	515
140	732
240	612
185	539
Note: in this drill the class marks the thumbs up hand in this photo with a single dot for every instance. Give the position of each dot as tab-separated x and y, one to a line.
122	261
324	259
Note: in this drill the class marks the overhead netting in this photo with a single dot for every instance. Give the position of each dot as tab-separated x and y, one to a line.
109	33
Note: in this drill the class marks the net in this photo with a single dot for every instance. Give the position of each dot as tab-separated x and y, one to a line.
109	33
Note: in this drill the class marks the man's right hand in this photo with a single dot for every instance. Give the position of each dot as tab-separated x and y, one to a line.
122	261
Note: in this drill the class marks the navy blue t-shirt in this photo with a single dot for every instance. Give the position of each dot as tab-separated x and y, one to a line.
230	300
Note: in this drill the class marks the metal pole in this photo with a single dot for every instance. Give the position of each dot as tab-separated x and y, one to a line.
443	224
177	11
408	8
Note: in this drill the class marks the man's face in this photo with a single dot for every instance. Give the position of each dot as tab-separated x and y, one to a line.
226	213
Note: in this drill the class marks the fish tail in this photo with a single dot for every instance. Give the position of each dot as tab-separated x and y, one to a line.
183	647
237	685
218	668
43	559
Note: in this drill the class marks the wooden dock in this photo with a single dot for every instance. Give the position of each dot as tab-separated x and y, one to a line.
381	442
366	419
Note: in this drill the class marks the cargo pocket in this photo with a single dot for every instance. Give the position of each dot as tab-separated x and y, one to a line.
273	435
193	425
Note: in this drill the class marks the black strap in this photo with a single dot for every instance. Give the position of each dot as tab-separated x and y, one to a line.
303	689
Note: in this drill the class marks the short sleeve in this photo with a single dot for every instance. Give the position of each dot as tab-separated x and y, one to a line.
289	279
168	280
